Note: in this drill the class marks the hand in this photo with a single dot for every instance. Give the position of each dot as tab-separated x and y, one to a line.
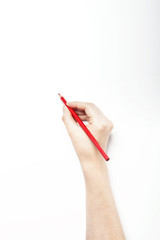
102	220
98	124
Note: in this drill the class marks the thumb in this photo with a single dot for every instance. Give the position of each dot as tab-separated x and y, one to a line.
68	120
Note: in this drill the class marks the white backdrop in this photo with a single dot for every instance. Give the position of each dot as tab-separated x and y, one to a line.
106	52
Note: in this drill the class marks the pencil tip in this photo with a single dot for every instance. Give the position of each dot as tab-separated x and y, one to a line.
59	95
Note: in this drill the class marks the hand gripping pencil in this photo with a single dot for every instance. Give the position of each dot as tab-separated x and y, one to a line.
84	128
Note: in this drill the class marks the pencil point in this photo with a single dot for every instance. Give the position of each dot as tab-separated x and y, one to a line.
59	95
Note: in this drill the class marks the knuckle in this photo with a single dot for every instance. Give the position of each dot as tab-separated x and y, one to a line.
91	104
102	126
106	125
110	125
88	103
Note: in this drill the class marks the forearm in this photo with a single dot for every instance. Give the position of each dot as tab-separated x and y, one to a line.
102	220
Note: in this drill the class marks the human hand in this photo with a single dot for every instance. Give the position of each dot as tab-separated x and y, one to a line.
98	124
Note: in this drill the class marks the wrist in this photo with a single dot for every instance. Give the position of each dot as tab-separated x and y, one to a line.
94	167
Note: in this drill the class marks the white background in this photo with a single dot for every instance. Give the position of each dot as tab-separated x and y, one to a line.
106	52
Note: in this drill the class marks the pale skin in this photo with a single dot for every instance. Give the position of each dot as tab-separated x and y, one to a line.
102	219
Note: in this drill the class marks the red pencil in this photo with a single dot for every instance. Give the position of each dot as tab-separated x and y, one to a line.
85	128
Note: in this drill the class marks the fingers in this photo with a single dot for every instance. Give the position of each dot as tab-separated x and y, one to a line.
88	108
83	117
81	114
77	105
68	119
78	112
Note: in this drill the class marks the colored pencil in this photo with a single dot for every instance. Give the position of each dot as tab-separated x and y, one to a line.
84	128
